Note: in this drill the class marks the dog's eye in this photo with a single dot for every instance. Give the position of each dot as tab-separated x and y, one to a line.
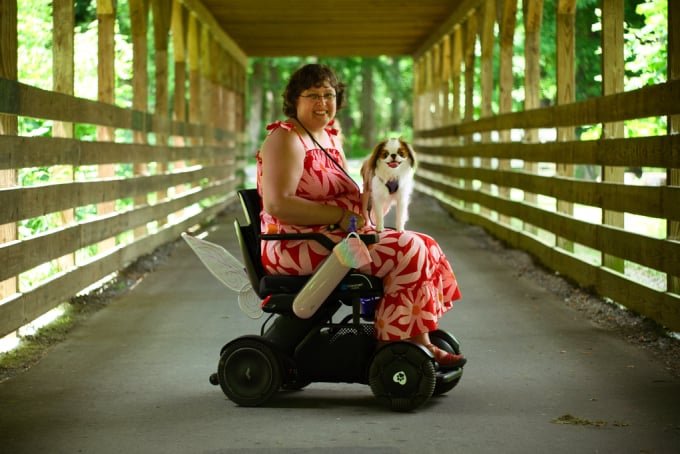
402	153
384	154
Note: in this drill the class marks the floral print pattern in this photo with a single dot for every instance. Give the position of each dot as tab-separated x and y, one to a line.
419	284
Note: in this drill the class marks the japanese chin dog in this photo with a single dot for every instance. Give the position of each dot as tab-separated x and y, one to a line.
388	180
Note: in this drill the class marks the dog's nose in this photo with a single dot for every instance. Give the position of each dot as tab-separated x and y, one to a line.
393	156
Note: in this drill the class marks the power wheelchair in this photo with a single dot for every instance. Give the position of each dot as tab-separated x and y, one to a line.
290	352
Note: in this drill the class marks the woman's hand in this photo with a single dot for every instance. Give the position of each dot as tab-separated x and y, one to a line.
345	221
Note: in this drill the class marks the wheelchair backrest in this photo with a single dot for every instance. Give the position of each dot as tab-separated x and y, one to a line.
249	236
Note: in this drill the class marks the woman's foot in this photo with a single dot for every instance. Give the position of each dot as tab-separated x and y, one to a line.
445	359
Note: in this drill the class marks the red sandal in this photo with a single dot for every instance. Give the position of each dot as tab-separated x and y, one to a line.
445	359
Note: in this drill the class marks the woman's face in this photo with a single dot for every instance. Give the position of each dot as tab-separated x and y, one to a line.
316	106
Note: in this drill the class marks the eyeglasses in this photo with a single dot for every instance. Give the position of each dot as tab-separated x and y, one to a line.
314	97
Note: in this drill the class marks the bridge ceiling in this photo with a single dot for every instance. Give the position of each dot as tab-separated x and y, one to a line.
271	28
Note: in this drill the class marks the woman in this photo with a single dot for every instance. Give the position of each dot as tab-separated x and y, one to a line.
304	187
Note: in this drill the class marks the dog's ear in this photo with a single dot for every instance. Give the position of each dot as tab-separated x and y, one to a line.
376	154
411	153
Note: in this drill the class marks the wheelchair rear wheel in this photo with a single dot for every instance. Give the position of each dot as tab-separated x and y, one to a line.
249	372
402	376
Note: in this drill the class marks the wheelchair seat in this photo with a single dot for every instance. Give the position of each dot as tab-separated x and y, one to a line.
278	291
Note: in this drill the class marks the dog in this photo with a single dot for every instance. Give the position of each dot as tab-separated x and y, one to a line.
388	180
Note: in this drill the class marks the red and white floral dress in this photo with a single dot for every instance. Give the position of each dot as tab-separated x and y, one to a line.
419	284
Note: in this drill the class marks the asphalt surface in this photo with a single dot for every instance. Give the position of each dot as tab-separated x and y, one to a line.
540	378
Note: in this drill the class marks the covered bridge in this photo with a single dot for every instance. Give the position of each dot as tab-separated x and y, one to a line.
485	162
540	378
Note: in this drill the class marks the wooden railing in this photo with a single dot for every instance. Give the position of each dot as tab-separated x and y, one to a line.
148	176
525	191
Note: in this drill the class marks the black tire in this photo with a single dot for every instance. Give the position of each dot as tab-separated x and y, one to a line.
402	376
446	342
249	372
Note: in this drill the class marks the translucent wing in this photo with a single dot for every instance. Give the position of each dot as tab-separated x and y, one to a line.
249	302
224	266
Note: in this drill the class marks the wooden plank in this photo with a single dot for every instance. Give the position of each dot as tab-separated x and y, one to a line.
20	256
650	101
655	253
30	305
655	151
663	307
18	152
29	202
659	202
21	99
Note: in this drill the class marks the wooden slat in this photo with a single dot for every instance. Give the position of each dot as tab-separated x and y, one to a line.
18	152
649	101
655	253
660	202
663	307
21	256
23	308
659	151
20	99
30	202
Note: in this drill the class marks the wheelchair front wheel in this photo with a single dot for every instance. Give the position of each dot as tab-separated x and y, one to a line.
402	375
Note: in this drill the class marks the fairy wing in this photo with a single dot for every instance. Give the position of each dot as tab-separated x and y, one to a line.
224	266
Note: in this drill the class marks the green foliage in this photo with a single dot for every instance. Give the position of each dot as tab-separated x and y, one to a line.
392	95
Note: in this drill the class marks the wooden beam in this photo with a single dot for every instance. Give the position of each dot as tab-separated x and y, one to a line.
208	20
673	174
106	16
456	18
8	123
566	57
612	82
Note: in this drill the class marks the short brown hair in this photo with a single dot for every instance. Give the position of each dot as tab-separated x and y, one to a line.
311	75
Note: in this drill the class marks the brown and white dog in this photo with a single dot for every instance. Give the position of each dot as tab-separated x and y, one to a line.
388	180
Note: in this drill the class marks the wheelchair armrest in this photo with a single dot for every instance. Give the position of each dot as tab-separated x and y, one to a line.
318	237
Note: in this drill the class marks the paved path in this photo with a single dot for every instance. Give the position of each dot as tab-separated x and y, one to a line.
134	377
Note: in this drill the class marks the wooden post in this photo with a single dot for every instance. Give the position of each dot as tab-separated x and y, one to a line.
566	12
487	41
106	15
456	62
612	82
673	175
416	95
162	10
446	79
469	57
179	27
207	86
63	18
193	44
428	114
507	17
139	20
533	15
8	123
179	111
